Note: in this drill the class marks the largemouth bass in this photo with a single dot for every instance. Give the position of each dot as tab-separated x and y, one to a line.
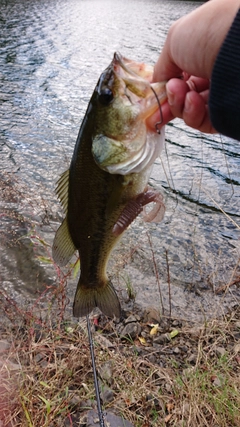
106	186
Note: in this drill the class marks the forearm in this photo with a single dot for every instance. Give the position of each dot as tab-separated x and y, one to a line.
224	102
194	41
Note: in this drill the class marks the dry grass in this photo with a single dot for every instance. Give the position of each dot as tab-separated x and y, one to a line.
46	374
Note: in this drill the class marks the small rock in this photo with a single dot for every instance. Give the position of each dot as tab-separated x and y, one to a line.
131	330
149	397
168	387
216	381
105	372
119	329
145	334
195	332
138	350
39	357
107	395
74	399
9	366
110	419
236	348
183	348
152	315
152	358
132	318
164	323
192	359
220	351
236	335
162	339
103	341
4	346
86	404
176	323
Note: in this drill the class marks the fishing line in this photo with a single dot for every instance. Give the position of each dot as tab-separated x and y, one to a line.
227	165
172	187
159	132
96	385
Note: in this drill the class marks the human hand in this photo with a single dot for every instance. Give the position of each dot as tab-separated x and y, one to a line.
187	99
187	60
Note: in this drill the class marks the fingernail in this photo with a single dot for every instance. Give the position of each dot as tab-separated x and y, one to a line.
170	96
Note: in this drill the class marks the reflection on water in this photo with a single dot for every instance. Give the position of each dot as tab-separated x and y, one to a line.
52	53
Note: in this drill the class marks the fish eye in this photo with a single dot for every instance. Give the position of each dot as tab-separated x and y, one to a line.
105	96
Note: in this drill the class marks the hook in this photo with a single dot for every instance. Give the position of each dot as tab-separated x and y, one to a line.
160	110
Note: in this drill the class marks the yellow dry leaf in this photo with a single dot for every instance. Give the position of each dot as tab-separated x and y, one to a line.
155	329
142	340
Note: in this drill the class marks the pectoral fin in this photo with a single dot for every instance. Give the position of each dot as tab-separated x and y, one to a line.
63	247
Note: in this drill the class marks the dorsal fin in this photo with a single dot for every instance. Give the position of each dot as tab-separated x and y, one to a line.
62	190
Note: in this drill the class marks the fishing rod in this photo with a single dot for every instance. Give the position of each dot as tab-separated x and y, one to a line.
96	384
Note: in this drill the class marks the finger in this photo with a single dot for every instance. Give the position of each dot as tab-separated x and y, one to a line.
195	113
164	117
198	84
205	95
176	93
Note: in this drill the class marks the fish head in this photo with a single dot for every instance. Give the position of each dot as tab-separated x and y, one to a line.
123	100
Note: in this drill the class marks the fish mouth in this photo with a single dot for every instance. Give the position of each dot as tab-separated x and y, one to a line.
136	69
137	77
128	65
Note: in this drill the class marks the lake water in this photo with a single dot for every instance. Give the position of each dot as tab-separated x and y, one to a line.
51	55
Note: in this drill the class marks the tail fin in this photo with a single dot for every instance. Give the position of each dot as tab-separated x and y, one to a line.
104	297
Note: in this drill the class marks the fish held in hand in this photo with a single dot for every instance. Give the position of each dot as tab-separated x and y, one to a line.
106	186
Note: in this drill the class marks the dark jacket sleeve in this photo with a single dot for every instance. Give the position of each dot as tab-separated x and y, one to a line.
224	101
